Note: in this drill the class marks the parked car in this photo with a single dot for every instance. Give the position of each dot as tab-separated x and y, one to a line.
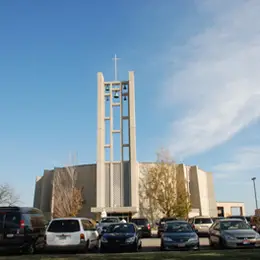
216	218
244	218
143	224
179	235
22	229
201	224
105	222
161	224
77	234
121	236
233	233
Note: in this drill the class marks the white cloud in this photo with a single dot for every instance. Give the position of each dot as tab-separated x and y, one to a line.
244	162
218	84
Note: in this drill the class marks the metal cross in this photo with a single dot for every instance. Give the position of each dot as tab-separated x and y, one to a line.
115	59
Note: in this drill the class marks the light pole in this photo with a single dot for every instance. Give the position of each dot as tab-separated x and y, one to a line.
253	179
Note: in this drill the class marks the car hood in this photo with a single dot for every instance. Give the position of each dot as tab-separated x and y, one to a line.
180	235
240	233
118	235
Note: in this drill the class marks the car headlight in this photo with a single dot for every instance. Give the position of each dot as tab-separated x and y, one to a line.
103	240
228	237
257	236
192	239
167	239
130	240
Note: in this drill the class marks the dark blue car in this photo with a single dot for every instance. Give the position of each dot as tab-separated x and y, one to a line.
121	237
179	235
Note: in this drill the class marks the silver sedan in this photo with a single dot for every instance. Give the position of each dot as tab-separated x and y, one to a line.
233	233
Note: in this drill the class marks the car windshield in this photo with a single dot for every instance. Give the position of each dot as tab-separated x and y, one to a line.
203	221
233	225
178	227
109	220
140	222
121	228
163	220
64	226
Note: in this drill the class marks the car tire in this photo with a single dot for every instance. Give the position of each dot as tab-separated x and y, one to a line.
210	243
30	250
86	248
222	244
162	247
102	250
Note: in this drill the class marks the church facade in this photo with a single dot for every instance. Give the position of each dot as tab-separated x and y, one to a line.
112	184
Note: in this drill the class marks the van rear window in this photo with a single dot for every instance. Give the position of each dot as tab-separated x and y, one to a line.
203	221
64	226
140	221
10	219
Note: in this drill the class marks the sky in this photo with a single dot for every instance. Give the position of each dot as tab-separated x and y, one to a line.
197	85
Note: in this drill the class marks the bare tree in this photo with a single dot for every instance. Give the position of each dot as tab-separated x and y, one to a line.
166	188
8	196
67	198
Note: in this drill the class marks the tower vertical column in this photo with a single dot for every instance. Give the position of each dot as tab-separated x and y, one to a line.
132	143
100	172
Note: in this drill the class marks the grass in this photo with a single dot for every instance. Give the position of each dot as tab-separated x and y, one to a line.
253	254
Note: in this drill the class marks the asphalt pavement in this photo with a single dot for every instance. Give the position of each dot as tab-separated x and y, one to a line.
153	244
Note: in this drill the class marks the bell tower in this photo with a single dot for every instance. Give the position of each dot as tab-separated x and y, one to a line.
116	168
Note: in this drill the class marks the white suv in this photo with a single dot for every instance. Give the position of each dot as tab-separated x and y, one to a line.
71	234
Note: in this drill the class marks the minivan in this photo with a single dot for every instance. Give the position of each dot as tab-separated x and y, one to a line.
22	228
144	226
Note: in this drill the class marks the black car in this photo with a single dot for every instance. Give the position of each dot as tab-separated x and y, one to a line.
22	229
179	235
121	237
143	225
161	225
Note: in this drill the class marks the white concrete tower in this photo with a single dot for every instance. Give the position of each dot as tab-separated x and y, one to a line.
117	176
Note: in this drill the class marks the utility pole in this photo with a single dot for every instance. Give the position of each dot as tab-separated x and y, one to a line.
256	204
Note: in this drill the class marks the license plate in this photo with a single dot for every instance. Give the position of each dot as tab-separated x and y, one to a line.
62	238
182	245
246	242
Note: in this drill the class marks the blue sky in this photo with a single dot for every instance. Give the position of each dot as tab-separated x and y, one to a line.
197	84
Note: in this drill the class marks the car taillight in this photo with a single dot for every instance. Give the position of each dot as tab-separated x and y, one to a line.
148	226
22	224
82	237
193	226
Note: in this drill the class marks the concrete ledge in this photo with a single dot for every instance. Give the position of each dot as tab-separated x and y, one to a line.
115	210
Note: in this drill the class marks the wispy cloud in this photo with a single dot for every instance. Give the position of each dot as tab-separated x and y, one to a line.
218	83
243	163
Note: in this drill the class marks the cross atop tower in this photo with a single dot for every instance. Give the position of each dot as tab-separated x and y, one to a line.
115	59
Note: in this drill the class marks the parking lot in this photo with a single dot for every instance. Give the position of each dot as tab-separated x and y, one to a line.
153	244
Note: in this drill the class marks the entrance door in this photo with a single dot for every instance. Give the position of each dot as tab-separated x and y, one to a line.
125	216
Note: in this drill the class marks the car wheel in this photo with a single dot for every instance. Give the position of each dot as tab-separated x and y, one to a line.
102	250
222	244
86	248
162	247
31	249
210	243
197	248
